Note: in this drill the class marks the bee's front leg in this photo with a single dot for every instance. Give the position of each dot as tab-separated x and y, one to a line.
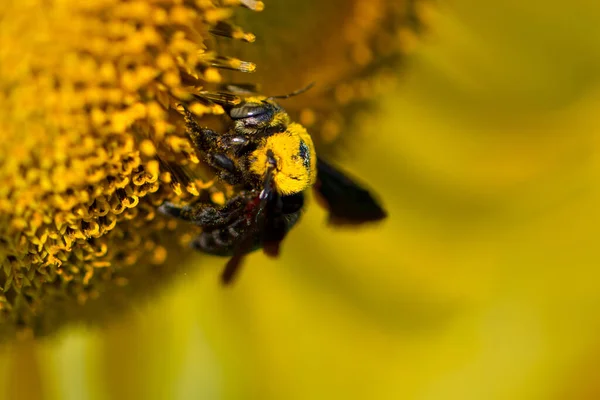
214	149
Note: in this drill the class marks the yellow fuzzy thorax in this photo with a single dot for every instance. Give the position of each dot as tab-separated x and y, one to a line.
293	174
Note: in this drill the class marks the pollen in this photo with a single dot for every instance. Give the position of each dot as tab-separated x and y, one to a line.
91	143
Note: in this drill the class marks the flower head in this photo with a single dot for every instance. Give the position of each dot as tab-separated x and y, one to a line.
91	142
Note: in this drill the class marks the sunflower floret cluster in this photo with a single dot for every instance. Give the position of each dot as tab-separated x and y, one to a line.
88	122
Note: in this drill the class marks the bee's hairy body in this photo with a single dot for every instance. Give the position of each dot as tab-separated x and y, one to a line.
272	161
240	155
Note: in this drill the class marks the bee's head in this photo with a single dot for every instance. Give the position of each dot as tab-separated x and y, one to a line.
259	114
294	156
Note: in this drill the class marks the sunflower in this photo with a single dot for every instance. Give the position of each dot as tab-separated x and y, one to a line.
92	142
87	100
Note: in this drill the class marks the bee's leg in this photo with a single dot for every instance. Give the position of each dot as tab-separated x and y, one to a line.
205	243
227	170
204	139
213	148
211	142
171	210
220	241
201	214
205	215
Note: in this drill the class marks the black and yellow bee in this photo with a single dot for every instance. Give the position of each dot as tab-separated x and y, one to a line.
272	161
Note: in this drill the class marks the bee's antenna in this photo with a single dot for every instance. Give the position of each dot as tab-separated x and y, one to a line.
295	93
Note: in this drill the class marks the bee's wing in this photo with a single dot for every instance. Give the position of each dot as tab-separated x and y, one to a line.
346	200
224	99
240	88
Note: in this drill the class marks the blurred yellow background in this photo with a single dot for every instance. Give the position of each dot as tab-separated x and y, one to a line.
483	284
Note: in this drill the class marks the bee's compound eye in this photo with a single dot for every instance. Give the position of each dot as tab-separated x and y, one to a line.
247	110
304	153
239	140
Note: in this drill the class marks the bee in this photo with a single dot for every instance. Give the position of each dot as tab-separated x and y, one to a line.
273	162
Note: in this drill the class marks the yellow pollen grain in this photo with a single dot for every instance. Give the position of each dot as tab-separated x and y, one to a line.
171	79
218	198
192	189
212	75
147	148
199	109
166	177
217	15
204	185
181	15
159	255
159	16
